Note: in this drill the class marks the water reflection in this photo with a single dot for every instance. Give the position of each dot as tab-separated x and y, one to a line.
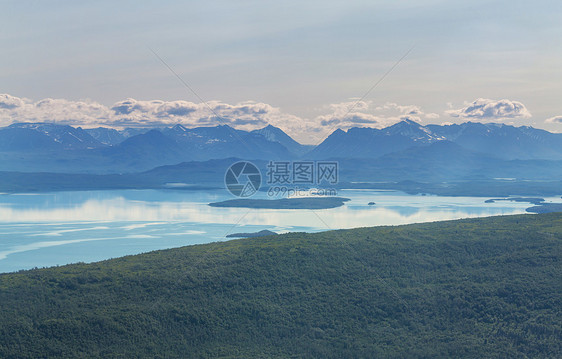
59	228
150	205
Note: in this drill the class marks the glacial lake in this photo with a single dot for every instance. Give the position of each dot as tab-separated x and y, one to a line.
47	229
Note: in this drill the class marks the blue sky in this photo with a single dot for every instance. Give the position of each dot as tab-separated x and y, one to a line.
297	65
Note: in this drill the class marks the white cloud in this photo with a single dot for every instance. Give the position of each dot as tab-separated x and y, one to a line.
405	110
345	115
10	102
486	110
245	115
363	114
153	113
13	109
555	119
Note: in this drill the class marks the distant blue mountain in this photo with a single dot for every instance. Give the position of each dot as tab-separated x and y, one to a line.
225	141
445	161
495	140
15	139
67	136
107	136
360	142
404	150
275	134
46	146
503	141
133	131
145	151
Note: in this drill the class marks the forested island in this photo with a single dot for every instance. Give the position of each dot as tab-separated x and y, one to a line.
532	200
284	203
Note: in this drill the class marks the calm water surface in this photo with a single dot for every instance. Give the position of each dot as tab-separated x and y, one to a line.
46	229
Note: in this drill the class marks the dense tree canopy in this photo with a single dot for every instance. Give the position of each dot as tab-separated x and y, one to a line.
470	288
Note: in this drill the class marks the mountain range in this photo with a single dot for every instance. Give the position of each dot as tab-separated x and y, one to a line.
496	140
407	146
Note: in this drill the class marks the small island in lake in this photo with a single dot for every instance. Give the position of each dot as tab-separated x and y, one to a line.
263	233
284	203
539	204
532	200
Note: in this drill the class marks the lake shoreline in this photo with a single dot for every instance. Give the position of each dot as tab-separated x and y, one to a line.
56	228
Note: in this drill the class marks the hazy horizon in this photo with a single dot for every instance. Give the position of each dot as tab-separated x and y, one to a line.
300	67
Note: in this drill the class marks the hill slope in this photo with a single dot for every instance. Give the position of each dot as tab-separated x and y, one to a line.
471	288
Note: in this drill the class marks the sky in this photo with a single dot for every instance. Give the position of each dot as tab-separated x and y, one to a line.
306	67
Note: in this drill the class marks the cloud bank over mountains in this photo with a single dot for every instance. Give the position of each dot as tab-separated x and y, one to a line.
246	115
152	113
554	119
486	110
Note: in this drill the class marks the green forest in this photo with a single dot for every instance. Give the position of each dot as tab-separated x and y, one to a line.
473	288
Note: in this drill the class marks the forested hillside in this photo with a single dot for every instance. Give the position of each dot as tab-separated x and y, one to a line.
471	288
